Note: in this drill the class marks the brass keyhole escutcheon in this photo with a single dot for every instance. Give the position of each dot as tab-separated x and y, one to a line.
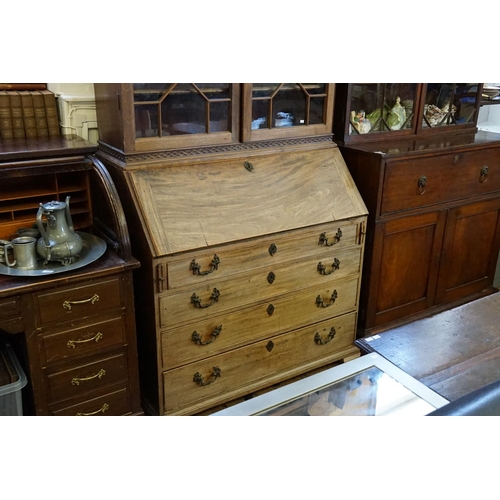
272	249
271	277
270	346
270	309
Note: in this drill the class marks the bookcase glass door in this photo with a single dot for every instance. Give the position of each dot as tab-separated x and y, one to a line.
276	105
175	109
382	107
450	104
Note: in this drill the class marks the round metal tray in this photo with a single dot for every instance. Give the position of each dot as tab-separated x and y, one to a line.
93	248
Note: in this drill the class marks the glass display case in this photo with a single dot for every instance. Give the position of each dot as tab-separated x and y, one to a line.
393	111
366	386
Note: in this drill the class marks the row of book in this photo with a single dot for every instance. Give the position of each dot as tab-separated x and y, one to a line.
29	114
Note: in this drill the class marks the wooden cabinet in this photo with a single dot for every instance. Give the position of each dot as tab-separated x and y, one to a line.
433	234
75	330
155	117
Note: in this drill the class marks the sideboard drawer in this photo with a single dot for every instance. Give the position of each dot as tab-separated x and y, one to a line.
78	302
112	404
421	182
87	339
79	380
198	267
216	376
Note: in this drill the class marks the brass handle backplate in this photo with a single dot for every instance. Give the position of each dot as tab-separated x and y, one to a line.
72	343
320	303
322	269
484	174
196	337
319	341
422	181
102	409
196	301
67	304
198	378
195	267
323	240
99	375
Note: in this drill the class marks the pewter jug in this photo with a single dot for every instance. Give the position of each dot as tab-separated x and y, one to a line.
58	242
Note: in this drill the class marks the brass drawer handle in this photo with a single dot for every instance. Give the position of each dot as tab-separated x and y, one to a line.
320	303
322	269
196	301
68	303
484	174
422	181
195	267
72	343
198	378
196	337
323	240
319	341
99	375
102	409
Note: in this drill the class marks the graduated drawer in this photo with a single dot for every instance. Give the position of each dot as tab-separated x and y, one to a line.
113	403
214	297
225	261
65	304
260	321
219	376
80	341
445	177
86	377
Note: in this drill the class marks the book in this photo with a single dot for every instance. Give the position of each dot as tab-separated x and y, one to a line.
16	113
42	128
51	113
6	131
23	86
28	114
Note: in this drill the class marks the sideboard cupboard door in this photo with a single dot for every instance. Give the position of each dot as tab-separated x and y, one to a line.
406	257
471	243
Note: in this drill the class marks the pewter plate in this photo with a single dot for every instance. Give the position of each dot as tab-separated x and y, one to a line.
93	248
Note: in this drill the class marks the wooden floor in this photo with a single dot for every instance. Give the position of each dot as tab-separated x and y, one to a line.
453	352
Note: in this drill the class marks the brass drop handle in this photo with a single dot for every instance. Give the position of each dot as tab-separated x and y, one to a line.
72	343
102	409
195	267
323	240
320	303
67	304
99	375
484	173
322	269
196	337
422	181
319	341
198	378
196	301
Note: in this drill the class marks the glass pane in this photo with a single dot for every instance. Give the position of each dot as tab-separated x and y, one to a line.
264	89
315	88
368	393
146	120
317	110
150	91
214	90
450	104
219	116
381	107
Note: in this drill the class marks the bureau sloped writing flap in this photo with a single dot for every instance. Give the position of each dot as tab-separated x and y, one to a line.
194	206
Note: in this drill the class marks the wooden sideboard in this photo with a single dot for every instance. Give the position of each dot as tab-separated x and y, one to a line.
74	332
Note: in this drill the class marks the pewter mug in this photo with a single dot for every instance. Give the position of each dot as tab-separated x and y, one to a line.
24	248
58	241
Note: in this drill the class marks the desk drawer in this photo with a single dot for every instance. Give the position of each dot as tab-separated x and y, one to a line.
81	379
200	267
114	403
218	296
87	339
215	377
10	315
445	177
254	323
70	303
